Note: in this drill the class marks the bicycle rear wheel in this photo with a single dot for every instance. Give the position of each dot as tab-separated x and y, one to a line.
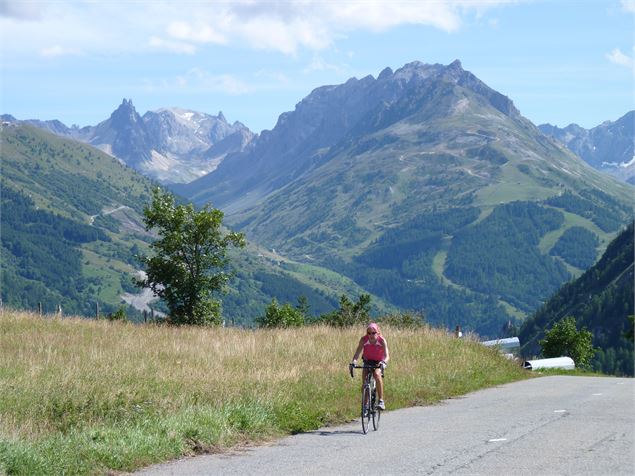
365	408
375	412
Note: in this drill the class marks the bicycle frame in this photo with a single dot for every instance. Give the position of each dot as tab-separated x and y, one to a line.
369	396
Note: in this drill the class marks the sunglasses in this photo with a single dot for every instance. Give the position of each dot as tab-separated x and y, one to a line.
371	333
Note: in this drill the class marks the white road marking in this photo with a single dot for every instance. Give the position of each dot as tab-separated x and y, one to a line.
496	440
559	411
597	394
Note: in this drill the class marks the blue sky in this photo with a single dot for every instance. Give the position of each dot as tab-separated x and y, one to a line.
560	61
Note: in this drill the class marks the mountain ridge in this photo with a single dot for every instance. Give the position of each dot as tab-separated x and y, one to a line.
72	225
609	146
423	145
393	182
319	121
170	145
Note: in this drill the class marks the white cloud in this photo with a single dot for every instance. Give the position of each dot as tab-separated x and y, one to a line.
57	50
200	34
200	80
276	77
226	83
319	64
184	27
173	46
313	24
628	5
616	56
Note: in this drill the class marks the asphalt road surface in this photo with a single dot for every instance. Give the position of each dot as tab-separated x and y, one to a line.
556	425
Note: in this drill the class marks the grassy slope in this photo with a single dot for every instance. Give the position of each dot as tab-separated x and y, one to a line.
68	177
86	397
77	181
349	202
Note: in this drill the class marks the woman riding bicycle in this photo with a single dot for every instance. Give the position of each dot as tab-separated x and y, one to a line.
375	353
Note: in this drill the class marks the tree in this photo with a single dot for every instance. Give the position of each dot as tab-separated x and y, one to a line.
629	334
564	339
281	316
404	320
303	307
190	259
349	313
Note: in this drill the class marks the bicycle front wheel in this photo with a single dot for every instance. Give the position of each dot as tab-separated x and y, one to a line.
376	412
365	408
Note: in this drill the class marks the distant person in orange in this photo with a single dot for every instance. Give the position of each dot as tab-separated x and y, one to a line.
374	350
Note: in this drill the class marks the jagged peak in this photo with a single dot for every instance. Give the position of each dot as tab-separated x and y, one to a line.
385	73
417	69
221	116
126	107
456	64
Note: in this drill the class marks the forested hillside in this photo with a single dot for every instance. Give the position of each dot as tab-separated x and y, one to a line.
71	227
423	187
429	189
41	257
600	300
70	223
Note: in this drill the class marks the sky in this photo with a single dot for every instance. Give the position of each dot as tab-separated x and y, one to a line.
560	61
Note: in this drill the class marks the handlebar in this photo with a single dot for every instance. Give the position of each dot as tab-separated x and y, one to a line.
368	367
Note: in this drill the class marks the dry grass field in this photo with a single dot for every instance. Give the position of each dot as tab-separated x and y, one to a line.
81	396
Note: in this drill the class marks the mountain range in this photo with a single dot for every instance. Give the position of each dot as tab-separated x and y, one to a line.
169	145
72	225
423	186
426	187
608	147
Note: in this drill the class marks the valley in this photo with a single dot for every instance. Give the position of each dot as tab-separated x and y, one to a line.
423	187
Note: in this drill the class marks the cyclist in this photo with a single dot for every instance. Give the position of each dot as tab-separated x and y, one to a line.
374	350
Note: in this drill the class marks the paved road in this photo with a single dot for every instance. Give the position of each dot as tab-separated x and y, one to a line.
547	426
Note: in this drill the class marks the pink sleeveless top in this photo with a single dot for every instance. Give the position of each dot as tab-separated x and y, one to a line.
373	351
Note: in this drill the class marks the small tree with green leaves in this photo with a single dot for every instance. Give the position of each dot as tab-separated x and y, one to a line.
564	339
349	313
404	320
281	316
189	264
118	315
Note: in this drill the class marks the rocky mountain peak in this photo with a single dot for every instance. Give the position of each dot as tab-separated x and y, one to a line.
125	113
608	147
385	74
338	115
416	70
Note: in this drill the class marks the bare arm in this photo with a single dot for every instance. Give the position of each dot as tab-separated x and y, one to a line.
358	351
386	353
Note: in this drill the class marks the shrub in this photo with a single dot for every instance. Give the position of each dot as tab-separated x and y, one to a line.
118	315
404	320
349	313
281	316
564	339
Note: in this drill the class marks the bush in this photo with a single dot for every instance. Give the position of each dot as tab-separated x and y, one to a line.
281	316
349	313
564	339
118	315
404	320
